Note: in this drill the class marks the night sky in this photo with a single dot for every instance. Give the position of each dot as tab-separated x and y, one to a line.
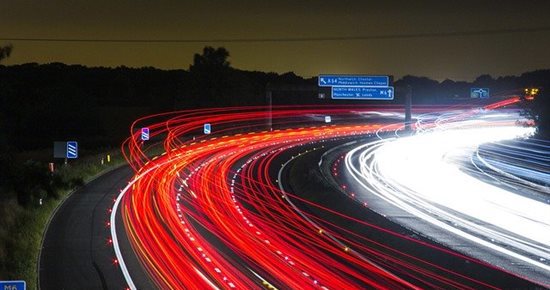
461	57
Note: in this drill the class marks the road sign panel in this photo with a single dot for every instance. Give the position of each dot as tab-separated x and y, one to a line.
479	93
144	135
59	151
72	149
13	285
353	81
362	93
207	128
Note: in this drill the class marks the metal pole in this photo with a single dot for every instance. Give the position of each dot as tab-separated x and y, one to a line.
408	109
269	97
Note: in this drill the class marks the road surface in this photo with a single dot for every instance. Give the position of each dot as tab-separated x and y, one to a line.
76	252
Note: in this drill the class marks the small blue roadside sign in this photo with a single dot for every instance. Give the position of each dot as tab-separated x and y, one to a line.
362	93
72	149
144	137
207	128
353	81
481	93
13	285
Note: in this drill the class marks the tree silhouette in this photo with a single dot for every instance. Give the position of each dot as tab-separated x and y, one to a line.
5	158
211	58
210	74
5	51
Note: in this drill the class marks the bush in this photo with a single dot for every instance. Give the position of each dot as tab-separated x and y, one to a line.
77	182
23	222
31	181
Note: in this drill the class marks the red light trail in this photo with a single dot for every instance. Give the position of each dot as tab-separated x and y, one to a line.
218	191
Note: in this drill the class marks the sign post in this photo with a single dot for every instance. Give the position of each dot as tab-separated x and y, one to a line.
481	93
13	285
353	81
362	93
145	134
364	87
207	128
59	150
358	87
72	150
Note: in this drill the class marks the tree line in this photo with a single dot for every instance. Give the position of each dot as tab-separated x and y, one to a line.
42	103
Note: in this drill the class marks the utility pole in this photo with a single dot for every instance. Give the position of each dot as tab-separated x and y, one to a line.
408	109
269	100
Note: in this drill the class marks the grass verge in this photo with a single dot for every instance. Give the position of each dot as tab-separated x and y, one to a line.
22	228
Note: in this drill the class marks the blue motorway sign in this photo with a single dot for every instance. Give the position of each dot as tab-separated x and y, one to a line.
362	93
207	128
13	285
144	137
72	149
353	81
479	93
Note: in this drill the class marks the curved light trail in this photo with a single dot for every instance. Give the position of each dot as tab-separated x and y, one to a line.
427	176
209	212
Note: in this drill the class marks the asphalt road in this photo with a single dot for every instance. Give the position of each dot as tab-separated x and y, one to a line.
303	179
438	235
76	253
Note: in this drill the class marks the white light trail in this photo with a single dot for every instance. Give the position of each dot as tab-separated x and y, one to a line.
424	175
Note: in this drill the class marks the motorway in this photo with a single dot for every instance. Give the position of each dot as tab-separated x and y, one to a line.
76	252
246	207
421	182
359	221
